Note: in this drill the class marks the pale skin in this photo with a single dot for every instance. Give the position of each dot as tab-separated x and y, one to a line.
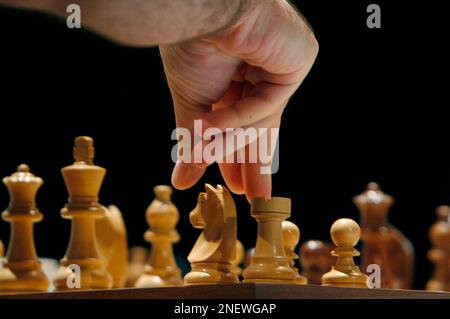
230	63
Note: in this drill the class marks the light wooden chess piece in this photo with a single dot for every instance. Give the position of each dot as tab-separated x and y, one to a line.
291	237
136	265
382	243
22	270
248	256
112	245
316	260
269	263
82	267
162	216
345	234
439	255
215	249
238	259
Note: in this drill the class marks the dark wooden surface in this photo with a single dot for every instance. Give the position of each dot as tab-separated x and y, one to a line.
240	291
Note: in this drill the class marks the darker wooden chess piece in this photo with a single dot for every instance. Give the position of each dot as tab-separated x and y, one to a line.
269	262
22	269
83	180
162	217
383	244
316	260
345	234
439	255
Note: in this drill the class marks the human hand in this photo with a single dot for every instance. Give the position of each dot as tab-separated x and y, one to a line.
240	77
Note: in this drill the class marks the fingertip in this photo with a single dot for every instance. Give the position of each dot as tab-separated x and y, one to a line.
236	188
262	193
231	173
255	183
185	176
201	165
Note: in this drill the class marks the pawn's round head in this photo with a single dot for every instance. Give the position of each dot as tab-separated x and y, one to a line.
163	192
372	186
23	168
443	212
345	232
291	234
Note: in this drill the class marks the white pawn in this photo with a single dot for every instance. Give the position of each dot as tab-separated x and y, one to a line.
345	234
291	237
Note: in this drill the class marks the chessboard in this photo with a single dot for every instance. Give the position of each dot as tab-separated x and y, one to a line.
238	291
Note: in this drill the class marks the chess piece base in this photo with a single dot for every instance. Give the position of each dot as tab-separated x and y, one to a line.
149	281
210	273
156	277
353	278
301	280
434	285
274	269
22	281
269	281
91	277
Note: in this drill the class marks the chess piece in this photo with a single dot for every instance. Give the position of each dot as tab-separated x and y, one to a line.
383	244
22	270
83	180
136	265
316	260
238	258
2	249
269	262
291	237
215	248
162	217
112	245
439	255
345	234
248	256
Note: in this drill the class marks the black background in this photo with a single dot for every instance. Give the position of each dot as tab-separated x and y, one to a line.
372	109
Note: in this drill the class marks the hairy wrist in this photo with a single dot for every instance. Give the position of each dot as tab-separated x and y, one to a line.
243	11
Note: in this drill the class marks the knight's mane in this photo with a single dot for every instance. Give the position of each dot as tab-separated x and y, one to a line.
214	217
228	202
